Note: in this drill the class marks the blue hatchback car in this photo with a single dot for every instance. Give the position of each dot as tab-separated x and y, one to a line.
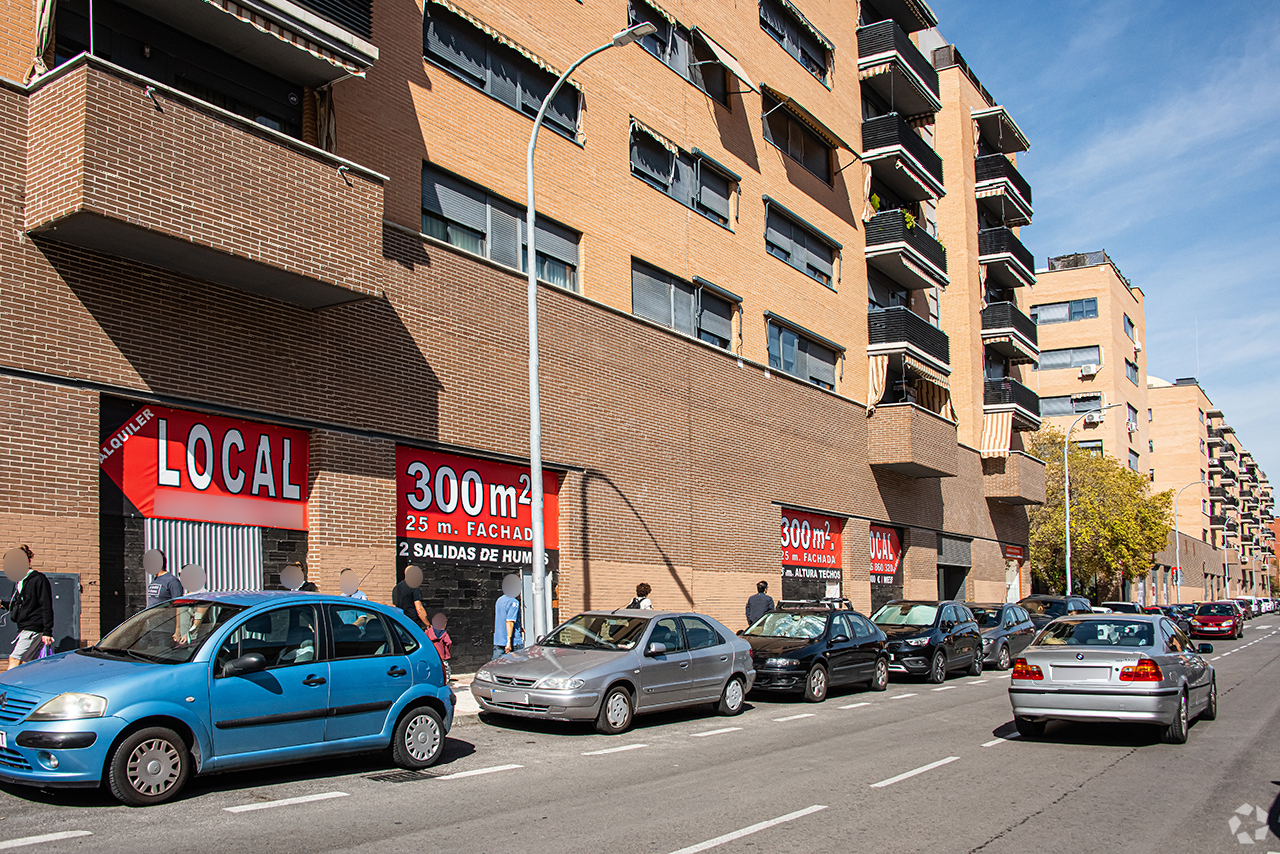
225	681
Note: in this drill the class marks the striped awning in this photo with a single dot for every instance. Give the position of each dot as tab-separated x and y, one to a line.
667	16
270	27
875	70
725	58
814	31
499	37
797	109
1021	354
933	375
988	192
933	392
636	124
877	379
997	430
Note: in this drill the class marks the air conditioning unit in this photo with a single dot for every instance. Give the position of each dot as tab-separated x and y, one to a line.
1133	427
1088	371
1137	346
1095	418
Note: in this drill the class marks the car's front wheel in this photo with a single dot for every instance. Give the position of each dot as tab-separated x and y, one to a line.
615	712
1176	731
732	697
938	668
1003	660
815	684
149	767
880	681
419	739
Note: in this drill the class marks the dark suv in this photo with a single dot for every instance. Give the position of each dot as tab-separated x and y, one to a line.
929	638
1045	608
810	646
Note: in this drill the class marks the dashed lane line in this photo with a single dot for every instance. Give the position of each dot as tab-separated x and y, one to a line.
977	682
906	775
24	841
793	717
747	831
901	696
855	705
1001	740
286	802
478	771
618	749
944	688
717	731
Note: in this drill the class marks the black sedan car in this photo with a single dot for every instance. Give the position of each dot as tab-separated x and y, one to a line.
929	639
1045	608
1006	631
811	647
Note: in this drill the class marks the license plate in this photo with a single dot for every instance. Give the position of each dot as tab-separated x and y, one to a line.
517	697
4	739
1069	673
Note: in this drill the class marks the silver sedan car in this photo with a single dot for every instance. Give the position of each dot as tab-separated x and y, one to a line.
1113	668
609	666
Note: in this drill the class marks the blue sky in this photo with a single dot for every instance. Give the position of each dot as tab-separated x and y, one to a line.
1155	134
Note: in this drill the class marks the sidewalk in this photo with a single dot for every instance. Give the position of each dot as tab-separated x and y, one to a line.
467	706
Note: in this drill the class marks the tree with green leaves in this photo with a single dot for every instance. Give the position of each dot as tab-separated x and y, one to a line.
1117	524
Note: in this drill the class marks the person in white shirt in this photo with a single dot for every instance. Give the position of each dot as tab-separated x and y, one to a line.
350	585
642	598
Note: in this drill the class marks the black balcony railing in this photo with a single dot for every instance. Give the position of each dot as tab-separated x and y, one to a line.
993	167
889	130
1008	390
1005	315
998	241
900	325
885	36
891	227
353	15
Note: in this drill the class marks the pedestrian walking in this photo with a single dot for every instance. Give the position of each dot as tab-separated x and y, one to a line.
164	584
30	606
350	585
407	596
294	577
641	602
439	634
759	604
506	618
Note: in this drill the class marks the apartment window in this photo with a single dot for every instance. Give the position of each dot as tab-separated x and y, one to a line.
1063	312
1093	447
784	130
1132	412
1201	416
792	30
1150	416
1202	447
1069	404
1128	327
1151	446
472	219
695	308
694	180
476	58
1131	371
789	239
1202	475
682	50
792	352
1133	460
1151	473
1070	357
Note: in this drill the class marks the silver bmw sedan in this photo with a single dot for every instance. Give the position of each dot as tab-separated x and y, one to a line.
609	666
1113	668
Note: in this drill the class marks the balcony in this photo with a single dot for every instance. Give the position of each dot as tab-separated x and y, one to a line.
1009	394
1002	191
1223	494
1008	331
998	128
1227	452
1007	261
909	256
892	66
123	166
911	440
910	15
899	329
1222	471
901	160
1015	479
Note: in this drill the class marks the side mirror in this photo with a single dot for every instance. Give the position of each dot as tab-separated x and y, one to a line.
655	649
253	662
840	639
538	639
1205	648
741	632
947	626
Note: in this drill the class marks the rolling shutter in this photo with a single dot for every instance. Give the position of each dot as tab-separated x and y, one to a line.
682	297
820	364
1054	359
778	232
554	241
650	294
231	555
504	235
456	44
454	200
714	190
716	316
954	551
651	158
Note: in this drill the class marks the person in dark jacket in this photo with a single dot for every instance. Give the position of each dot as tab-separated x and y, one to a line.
294	577
759	604
30	607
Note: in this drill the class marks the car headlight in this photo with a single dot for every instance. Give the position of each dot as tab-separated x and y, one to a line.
71	707
560	683
916	641
781	662
483	675
986	642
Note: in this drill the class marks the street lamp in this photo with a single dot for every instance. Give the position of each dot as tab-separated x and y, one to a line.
540	609
1177	543
1066	481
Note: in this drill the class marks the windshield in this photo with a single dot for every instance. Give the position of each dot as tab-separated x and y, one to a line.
988	618
1096	633
598	631
1215	609
1044	608
775	625
169	633
1123	607
905	614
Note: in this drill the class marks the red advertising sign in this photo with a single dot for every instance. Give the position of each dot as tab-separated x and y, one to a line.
811	545
453	510
1014	553
173	464
886	551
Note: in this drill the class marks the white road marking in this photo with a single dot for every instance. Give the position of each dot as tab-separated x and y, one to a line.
477	772
944	688
44	837
1215	658
793	717
977	682
285	802
1001	740
901	696
855	705
747	831
909	774
717	731
614	749
1005	676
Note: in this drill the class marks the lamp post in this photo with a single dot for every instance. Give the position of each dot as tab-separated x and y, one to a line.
540	609
1177	542
1066	481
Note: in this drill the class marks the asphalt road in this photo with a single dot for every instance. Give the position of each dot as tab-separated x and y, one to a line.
784	776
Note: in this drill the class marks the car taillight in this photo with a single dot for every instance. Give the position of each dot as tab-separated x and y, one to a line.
1145	670
1022	670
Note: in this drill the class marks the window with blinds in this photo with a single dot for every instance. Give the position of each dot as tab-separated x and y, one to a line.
1131	371
694	180
674	44
1069	357
793	353
1064	312
692	308
785	131
470	218
476	58
801	247
796	35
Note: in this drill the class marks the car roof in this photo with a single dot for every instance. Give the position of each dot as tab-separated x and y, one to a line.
254	598
638	612
1115	615
988	604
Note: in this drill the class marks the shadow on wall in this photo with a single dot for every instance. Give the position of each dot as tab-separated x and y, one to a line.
735	130
186	338
608	488
909	500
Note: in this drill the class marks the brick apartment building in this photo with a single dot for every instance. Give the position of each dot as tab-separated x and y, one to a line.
264	301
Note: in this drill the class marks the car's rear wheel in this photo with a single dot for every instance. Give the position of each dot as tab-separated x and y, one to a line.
815	684
615	712
1028	728
149	767
1176	731
975	666
419	739
732	697
1003	660
938	668
1210	712
880	681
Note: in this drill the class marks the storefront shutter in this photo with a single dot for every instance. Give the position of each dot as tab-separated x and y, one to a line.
954	551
